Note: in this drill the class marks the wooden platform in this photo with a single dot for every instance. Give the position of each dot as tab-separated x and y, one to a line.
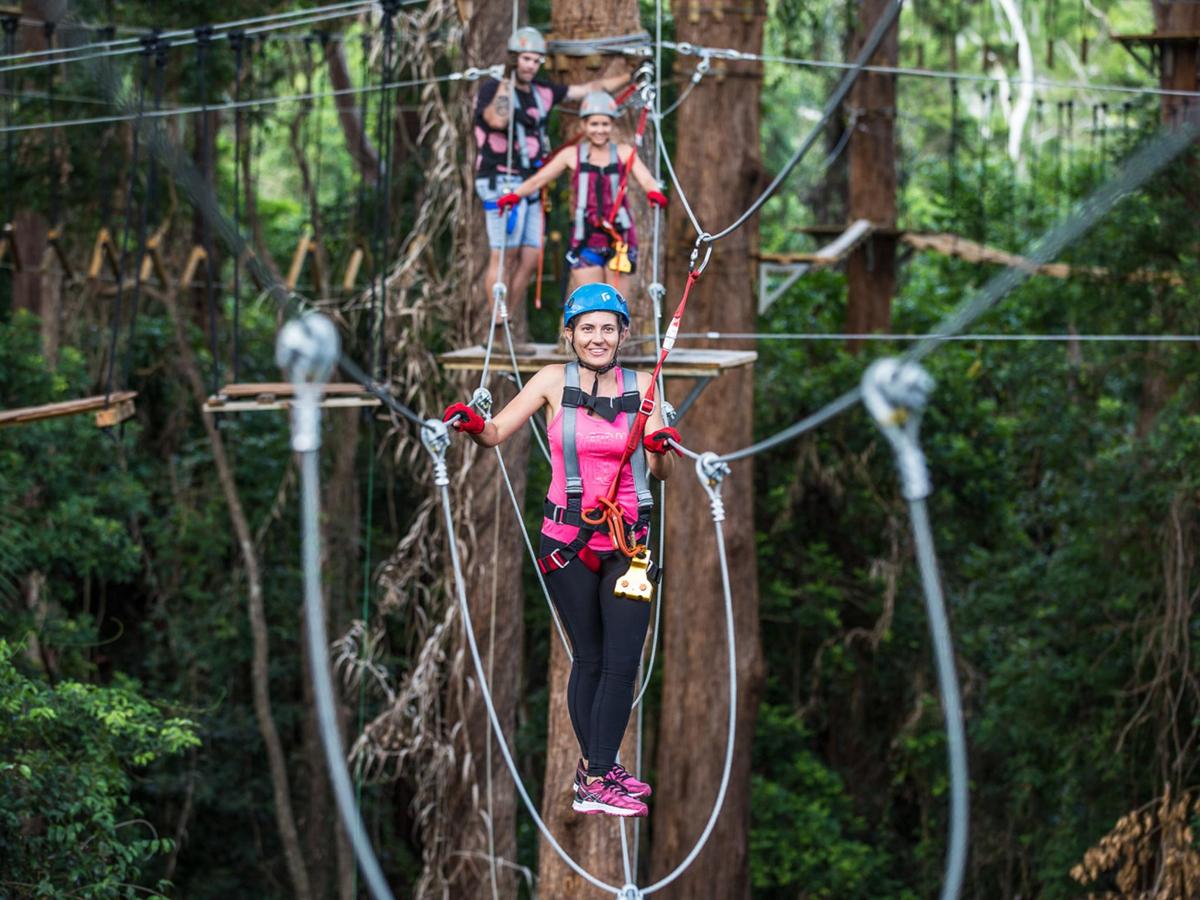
684	362
972	251
281	395
117	409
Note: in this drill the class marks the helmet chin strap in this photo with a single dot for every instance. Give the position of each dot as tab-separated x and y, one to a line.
599	370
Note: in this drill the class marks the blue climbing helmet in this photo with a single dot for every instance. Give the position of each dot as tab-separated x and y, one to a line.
594	298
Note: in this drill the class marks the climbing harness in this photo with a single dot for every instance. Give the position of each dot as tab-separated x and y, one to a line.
585	226
609	510
573	400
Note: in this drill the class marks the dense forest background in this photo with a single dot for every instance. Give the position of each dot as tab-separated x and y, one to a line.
156	729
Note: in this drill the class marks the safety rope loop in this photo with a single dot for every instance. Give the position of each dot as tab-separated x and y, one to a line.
712	471
436	438
895	394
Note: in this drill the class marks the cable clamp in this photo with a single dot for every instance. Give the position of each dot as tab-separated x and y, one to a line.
712	471
685	49
896	393
668	412
702	68
630	892
307	349
481	401
704	236
436	438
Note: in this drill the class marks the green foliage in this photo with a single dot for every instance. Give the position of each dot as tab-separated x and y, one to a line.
68	825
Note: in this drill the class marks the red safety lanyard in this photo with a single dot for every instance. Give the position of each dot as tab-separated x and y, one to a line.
609	509
625	170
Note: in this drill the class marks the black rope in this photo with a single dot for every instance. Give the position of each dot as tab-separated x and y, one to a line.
152	46
954	124
108	174
10	25
52	172
237	40
373	309
382	218
323	41
203	40
126	223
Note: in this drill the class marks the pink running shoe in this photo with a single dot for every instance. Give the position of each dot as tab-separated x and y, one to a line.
608	797
633	787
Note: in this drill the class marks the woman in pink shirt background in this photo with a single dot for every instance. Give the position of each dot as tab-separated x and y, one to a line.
606	632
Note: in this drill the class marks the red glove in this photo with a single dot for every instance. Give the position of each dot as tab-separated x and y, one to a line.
507	202
462	418
657	442
657	198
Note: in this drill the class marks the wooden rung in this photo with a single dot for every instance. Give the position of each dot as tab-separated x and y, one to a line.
103	250
307	246
118	408
197	256
282	394
684	362
352	266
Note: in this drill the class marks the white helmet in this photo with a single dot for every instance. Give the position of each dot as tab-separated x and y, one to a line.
598	103
527	40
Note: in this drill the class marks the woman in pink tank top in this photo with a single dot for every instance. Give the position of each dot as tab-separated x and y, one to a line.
591	405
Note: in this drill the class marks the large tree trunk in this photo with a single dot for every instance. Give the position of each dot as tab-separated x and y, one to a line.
594	842
720	169
871	270
484	790
358	143
1180	58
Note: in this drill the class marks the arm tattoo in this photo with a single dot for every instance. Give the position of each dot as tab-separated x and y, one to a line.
500	106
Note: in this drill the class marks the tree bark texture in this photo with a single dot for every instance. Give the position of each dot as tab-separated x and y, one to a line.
358	143
719	166
495	554
871	269
1180	59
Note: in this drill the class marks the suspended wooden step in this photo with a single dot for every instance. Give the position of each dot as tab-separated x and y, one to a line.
55	250
103	251
832	253
358	255
152	259
109	412
281	395
8	246
307	246
974	252
192	266
684	362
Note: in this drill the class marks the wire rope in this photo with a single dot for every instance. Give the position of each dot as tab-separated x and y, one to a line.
237	40
183	37
1064	337
728	53
469	74
207	139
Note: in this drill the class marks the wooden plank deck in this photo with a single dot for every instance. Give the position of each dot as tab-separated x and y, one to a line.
684	362
282	394
118	408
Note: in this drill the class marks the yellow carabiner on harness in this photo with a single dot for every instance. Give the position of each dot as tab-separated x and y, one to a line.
635	584
620	258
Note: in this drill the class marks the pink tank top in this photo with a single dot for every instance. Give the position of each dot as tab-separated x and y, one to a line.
599	445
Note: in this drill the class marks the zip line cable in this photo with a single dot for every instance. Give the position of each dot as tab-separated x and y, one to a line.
185	36
1064	338
731	54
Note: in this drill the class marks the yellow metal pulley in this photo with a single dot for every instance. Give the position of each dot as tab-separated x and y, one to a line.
635	584
620	258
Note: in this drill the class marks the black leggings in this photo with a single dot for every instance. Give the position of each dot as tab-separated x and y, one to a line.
606	634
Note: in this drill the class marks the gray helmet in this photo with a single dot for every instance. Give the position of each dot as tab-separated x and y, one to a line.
527	40
598	103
